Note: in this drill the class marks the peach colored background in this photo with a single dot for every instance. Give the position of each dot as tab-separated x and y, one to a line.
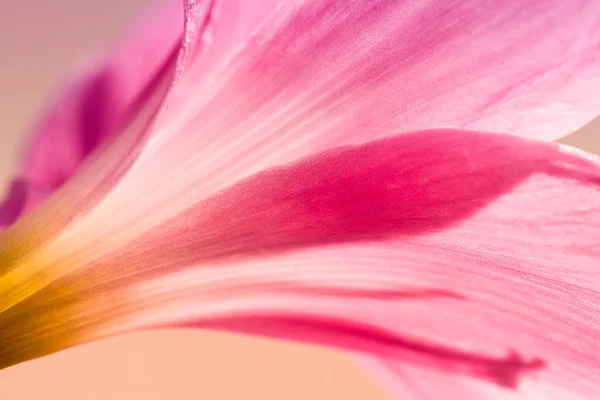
39	40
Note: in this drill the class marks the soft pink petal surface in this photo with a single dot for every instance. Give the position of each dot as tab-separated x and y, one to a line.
355	70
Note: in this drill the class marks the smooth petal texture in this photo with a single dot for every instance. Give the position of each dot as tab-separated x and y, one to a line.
471	254
97	101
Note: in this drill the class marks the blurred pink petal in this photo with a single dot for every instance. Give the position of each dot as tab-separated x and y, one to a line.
92	106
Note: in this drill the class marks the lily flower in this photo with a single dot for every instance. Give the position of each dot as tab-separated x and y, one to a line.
331	172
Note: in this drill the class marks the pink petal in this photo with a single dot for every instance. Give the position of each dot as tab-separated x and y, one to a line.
303	76
94	105
442	225
269	85
469	254
440	253
358	70
21	196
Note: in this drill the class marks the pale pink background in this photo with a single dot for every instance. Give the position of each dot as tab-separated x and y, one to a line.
39	40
